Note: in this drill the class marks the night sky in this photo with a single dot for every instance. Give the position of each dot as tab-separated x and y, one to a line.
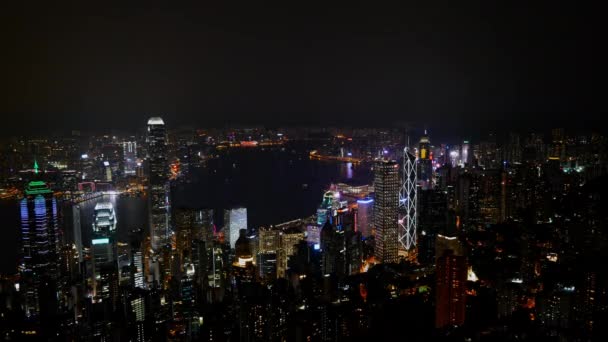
458	67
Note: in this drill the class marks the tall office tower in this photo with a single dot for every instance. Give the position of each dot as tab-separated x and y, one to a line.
192	226
235	219
432	220
313	235
322	216
454	156
267	267
288	239
158	183
75	230
327	208
558	144
243	252
467	199
451	276
490	195
425	163
130	155
268	240
137	316
365	216
464	155
184	229
104	250
489	154
353	252
514	149
330	247
386	203
137	261
39	242
216	271
204	225
408	202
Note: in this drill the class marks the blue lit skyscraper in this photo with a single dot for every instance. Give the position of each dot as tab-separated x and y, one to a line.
39	242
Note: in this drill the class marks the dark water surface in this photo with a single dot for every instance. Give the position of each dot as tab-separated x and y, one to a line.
274	185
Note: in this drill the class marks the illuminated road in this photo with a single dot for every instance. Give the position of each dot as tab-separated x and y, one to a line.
316	156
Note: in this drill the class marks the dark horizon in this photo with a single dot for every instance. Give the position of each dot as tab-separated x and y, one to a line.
468	68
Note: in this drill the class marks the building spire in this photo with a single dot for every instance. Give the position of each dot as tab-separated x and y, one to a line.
36	168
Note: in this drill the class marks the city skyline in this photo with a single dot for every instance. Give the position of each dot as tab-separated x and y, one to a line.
131	247
293	172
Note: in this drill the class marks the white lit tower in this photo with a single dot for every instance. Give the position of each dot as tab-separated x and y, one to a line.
408	200
158	183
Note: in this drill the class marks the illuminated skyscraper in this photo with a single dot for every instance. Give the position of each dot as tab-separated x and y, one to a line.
104	249
235	219
191	226
464	155
268	240
313	235
39	242
330	247
408	202
137	314
138	267
386	203
158	183
288	240
425	163
365	216
130	155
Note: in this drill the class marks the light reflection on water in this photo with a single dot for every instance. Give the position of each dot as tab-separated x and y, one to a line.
275	186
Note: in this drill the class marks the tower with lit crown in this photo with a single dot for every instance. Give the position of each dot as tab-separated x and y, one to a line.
158	182
425	163
39	250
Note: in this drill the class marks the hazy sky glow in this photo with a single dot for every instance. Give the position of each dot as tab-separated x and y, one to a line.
458	66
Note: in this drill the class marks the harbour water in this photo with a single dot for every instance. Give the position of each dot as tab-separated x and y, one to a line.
274	185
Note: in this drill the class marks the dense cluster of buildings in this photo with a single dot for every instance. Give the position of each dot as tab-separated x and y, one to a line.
495	239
